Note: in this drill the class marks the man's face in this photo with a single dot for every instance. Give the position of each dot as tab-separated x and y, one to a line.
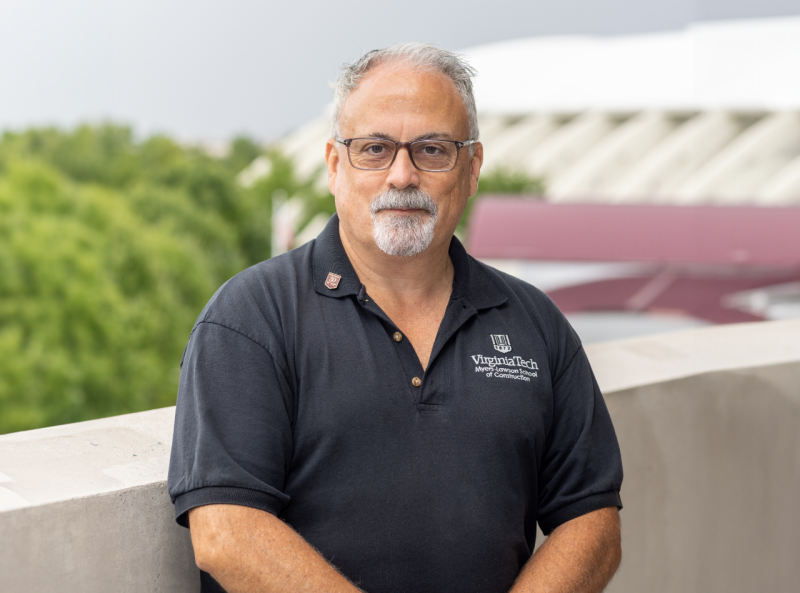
395	101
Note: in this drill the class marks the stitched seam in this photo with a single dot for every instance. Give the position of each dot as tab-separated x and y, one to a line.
237	332
591	494
218	487
569	364
266	348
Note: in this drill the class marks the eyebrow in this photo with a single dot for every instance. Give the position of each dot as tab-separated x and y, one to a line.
428	136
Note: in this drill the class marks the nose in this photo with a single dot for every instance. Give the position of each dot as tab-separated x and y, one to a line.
403	173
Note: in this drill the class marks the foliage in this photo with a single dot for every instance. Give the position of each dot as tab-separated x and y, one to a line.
509	181
93	302
502	182
109	249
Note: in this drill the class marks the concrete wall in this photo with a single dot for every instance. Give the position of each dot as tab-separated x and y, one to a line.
711	452
707	420
84	507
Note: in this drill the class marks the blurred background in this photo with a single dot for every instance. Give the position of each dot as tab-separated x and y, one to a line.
643	168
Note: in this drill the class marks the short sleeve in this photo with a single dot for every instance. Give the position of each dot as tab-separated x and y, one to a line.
233	424
581	467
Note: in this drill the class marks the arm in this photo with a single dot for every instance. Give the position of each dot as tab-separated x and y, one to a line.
248	550
580	556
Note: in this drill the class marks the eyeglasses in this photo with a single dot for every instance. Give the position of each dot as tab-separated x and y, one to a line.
376	154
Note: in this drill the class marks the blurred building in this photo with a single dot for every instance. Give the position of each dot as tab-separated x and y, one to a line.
705	116
710	114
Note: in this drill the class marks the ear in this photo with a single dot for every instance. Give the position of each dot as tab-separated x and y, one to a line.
475	168
333	161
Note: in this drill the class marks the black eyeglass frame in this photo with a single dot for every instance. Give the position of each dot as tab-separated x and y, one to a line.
407	146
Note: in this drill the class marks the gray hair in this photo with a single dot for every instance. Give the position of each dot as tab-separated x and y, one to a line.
420	55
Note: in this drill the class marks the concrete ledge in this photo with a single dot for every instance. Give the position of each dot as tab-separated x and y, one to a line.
712	476
634	362
125	541
83	459
709	427
84	507
707	421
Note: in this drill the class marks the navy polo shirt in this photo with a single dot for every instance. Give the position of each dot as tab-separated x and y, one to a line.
307	402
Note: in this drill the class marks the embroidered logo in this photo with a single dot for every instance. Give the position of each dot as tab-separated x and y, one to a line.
501	343
506	367
332	281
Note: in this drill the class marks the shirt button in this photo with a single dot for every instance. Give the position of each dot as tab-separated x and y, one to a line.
416	381
397	336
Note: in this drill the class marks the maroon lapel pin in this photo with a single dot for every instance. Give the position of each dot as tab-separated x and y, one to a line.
332	281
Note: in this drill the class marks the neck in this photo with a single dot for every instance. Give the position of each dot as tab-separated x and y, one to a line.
401	280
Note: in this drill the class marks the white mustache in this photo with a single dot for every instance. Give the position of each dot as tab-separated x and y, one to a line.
407	198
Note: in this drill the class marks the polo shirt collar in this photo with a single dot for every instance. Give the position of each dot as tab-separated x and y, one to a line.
328	258
471	281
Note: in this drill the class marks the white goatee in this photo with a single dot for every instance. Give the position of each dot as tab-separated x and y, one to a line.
403	235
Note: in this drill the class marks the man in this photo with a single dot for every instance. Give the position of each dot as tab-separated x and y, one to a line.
378	410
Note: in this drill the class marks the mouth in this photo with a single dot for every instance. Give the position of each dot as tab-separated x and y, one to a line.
404	210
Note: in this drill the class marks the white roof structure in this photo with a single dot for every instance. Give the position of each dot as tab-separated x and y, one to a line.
710	114
742	65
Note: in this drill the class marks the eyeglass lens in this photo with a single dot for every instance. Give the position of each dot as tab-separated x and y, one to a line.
430	155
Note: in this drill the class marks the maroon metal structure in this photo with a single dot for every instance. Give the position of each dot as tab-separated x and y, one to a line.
693	257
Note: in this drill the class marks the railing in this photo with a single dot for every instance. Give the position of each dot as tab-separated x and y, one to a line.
708	422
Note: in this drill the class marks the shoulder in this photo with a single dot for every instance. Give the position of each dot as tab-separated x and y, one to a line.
531	306
260	296
516	289
518	292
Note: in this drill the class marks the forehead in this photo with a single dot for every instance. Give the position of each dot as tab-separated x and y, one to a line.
397	98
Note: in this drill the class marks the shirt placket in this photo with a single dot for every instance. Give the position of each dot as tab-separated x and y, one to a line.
422	391
413	373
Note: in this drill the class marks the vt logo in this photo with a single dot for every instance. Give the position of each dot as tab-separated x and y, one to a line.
501	343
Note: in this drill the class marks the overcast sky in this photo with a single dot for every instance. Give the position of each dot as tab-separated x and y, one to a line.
204	70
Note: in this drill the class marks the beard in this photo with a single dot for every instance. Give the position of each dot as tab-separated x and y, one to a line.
404	235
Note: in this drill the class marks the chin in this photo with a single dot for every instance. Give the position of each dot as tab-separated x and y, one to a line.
405	240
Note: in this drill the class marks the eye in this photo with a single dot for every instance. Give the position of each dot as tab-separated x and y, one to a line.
376	149
430	149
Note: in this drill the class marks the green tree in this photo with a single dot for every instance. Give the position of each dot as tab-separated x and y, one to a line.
507	182
95	304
